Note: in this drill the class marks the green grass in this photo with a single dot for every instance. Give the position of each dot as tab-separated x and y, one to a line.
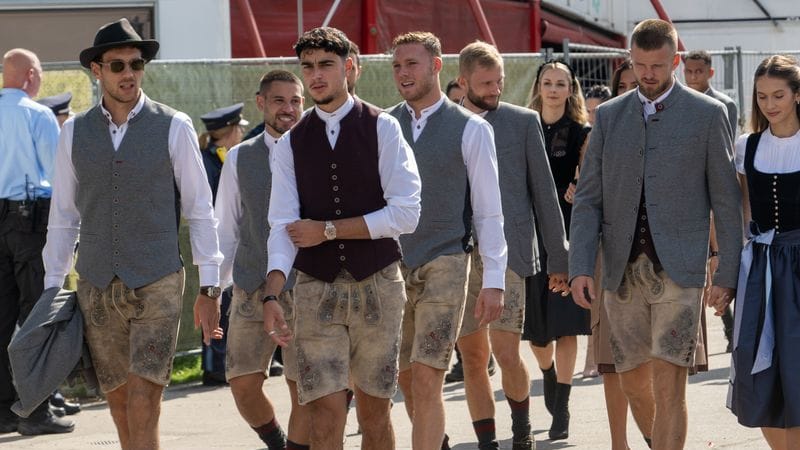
186	369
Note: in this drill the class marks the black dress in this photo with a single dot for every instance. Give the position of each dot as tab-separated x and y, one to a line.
771	396
549	316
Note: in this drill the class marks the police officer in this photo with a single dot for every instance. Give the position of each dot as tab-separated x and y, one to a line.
59	104
223	131
28	139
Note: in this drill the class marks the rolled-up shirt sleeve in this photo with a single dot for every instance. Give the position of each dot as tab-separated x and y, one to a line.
196	200
400	182
480	157
284	207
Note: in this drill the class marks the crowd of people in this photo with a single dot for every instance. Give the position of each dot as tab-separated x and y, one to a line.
367	244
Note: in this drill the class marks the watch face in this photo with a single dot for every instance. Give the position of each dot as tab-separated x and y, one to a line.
213	291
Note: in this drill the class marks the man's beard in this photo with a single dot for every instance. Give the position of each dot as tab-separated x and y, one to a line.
481	103
652	94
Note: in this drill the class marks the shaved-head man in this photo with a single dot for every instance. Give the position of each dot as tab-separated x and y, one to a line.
28	138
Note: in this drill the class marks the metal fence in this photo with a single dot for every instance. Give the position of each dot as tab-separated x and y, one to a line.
199	86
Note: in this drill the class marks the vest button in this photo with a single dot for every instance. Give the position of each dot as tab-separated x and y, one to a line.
333	166
334	177
116	188
341	246
342	258
336	200
338	212
335	188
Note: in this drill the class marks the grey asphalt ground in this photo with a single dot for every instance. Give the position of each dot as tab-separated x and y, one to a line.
196	417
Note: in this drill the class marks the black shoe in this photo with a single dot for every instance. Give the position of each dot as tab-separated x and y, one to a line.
526	444
9	423
560	426
491	366
56	411
48	424
456	374
275	369
213	379
59	401
549	383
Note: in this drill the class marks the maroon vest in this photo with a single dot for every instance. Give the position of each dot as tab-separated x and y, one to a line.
340	183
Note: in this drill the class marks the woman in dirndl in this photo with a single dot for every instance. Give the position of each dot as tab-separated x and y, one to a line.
765	390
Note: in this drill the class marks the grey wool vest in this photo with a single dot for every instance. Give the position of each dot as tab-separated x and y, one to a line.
255	176
127	199
445	222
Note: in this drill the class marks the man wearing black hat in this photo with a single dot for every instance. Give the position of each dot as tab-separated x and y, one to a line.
28	137
126	170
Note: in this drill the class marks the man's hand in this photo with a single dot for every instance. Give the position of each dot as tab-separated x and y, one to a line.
558	283
275	325
580	284
306	233
206	314
719	298
489	305
569	196
711	269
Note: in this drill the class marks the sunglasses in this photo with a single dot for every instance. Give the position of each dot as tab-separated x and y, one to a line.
118	66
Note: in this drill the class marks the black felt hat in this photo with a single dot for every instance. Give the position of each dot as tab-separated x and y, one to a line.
118	34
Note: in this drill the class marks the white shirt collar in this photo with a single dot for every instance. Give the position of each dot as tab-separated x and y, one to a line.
660	98
136	109
337	115
427	111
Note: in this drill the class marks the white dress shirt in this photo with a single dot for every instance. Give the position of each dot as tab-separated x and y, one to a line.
480	158
399	179
228	210
64	222
650	107
773	155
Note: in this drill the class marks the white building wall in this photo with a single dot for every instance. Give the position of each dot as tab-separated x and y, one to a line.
193	29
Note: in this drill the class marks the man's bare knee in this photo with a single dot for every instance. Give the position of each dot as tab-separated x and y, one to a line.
245	385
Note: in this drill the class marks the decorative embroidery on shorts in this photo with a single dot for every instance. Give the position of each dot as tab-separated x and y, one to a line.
328	305
307	377
137	305
438	341
99	312
154	355
372	309
388	374
511	304
247	308
355	300
653	282
616	351
680	339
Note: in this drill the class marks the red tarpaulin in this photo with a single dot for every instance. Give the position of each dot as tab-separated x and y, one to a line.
451	20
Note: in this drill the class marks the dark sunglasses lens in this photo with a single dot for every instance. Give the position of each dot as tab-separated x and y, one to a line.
137	64
116	66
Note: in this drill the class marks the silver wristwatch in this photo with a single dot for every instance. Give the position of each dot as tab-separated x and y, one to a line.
330	230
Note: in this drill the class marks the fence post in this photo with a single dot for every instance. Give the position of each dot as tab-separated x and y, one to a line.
740	76
565	44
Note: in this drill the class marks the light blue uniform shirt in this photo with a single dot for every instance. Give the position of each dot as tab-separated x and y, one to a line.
28	140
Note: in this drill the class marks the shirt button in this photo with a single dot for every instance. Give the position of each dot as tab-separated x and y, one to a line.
333	166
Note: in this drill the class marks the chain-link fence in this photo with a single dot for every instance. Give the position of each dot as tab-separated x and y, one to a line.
197	87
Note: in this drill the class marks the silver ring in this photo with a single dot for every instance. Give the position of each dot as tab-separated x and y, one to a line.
272	332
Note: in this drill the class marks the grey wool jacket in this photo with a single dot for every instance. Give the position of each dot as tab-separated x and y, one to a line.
527	190
683	159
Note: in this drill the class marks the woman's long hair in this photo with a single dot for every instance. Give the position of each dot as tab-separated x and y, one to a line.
575	107
210	137
626	65
777	66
